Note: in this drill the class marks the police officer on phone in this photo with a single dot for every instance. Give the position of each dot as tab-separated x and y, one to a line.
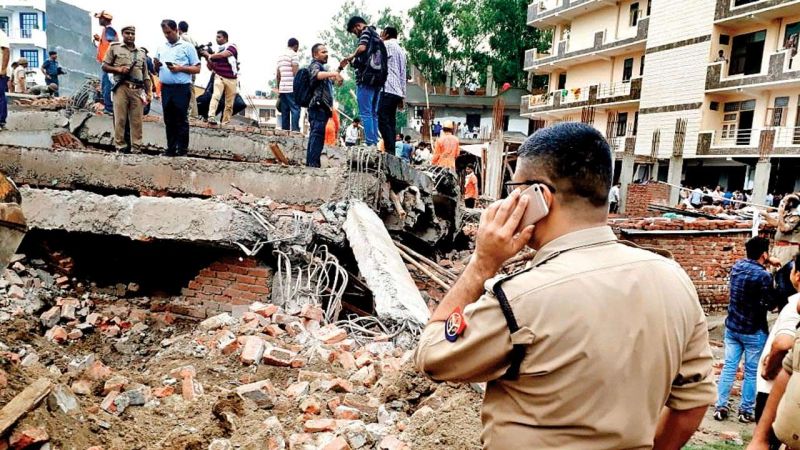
599	344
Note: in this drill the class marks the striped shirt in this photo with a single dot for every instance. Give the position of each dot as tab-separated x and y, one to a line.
285	63
396	81
227	68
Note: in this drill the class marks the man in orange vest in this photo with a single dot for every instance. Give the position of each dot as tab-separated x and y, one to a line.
104	41
446	149
470	188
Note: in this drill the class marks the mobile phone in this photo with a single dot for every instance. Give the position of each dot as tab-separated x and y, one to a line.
537	208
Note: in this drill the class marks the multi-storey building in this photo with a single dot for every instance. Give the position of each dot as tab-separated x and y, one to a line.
34	27
699	92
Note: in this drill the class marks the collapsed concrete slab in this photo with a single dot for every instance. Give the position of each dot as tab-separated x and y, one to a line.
139	218
396	296
217	143
178	176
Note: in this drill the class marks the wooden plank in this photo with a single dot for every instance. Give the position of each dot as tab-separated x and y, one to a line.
276	150
23	402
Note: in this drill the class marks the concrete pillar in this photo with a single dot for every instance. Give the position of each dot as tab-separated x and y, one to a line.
625	178
674	176
761	181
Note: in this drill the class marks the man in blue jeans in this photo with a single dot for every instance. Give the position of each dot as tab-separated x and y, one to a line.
6	55
288	65
752	295
367	94
320	108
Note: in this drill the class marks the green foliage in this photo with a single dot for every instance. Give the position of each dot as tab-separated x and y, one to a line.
464	37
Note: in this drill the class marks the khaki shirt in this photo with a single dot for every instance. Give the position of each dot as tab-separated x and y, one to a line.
119	55
613	335
787	418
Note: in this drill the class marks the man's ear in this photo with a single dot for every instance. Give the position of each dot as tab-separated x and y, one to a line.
548	196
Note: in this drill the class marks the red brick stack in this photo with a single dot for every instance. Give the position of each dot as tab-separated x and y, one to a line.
226	283
641	195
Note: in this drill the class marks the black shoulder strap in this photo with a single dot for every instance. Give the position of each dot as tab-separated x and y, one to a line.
517	350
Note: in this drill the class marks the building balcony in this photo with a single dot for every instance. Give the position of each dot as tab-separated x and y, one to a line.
598	96
564	57
738	13
773	141
782	70
543	13
33	37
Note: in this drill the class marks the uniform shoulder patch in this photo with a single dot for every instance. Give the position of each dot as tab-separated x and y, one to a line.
455	325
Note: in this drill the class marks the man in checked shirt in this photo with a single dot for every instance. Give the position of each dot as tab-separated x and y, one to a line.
752	294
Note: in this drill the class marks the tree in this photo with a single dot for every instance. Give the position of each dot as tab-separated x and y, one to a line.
386	18
429	40
505	21
469	34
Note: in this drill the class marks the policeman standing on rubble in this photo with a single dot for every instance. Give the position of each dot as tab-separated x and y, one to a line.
598	345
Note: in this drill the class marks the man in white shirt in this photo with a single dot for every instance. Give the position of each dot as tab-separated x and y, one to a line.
697	197
394	91
288	65
613	199
6	55
352	133
781	339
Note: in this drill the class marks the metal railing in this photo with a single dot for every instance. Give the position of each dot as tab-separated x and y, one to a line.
616	89
535	101
787	136
24	33
573	95
732	137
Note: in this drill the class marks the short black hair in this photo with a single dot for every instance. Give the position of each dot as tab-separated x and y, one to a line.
223	33
357	119
408	138
315	48
756	247
576	158
293	42
391	32
52	52
183	26
471	167
169	23
355	20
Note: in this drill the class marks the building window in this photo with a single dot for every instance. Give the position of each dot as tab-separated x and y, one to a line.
622	124
649	4
32	56
627	70
28	22
506	120
641	66
747	53
634	17
4	24
562	80
744	2
266	114
473	122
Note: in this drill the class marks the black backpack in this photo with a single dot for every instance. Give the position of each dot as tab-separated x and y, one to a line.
373	65
303	87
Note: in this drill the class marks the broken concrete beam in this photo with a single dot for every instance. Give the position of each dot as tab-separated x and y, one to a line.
181	176
32	128
396	296
181	219
218	143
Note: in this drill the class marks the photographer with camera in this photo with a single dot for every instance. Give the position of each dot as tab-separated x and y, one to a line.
599	344
225	65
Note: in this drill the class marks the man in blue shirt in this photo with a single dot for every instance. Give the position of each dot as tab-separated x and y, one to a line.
752	295
176	61
51	70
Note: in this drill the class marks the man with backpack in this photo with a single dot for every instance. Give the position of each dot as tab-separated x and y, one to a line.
313	90
370	62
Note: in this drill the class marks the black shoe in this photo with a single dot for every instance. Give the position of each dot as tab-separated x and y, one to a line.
721	414
746	417
169	153
181	153
126	151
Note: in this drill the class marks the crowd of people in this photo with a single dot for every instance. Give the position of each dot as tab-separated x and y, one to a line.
720	200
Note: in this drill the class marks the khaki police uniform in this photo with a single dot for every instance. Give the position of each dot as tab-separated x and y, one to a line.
787	417
128	97
607	336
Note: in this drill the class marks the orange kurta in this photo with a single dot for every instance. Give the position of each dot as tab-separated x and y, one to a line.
332	129
445	152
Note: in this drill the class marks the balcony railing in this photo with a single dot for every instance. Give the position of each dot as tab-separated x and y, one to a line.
736	138
733	9
16	34
782	68
787	136
620	88
582	96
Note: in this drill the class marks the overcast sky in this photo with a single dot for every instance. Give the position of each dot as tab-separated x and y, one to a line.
259	29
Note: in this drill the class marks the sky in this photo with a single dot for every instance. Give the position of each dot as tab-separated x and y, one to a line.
260	30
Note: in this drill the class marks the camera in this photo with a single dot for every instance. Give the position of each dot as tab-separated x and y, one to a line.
204	48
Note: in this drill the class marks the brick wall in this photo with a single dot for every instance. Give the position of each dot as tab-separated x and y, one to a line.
229	282
707	257
641	195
